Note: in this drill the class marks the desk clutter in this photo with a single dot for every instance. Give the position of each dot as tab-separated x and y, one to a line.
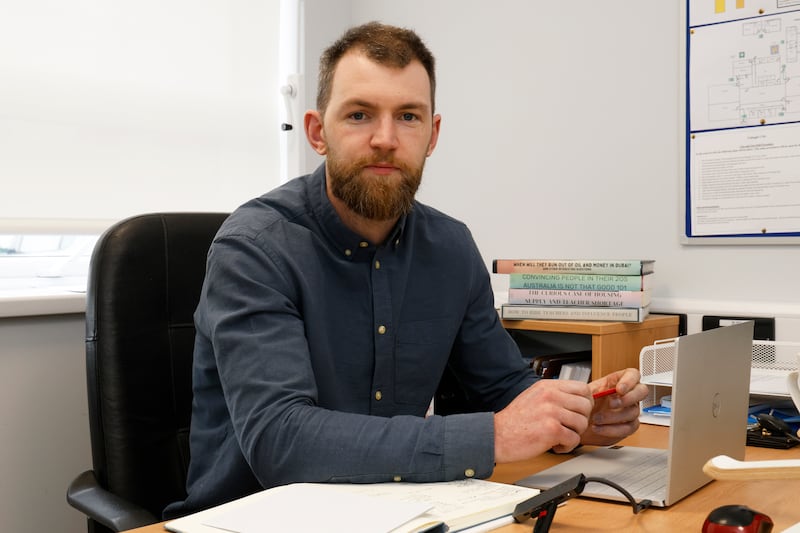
570	365
773	417
775	497
773	429
577	289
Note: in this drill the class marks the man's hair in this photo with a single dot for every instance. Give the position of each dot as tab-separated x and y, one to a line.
386	45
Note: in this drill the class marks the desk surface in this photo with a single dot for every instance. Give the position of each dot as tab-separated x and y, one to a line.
775	498
778	499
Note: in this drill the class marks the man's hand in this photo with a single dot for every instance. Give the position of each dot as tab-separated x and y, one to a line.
561	414
552	413
617	416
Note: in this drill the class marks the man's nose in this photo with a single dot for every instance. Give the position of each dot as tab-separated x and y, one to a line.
384	136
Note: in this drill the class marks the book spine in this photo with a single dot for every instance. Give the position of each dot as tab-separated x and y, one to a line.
577	266
580	282
534	312
590	298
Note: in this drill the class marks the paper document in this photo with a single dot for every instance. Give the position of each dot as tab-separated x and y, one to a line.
763	381
768	382
290	506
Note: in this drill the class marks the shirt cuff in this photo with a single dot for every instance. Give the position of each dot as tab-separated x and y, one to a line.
469	445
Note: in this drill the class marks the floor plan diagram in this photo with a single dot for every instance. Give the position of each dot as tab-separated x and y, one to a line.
743	119
745	73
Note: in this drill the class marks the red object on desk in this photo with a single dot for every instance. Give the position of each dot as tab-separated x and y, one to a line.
607	392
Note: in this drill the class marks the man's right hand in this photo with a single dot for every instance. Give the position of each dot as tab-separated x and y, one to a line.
550	414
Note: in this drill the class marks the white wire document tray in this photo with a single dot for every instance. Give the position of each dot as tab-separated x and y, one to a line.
772	363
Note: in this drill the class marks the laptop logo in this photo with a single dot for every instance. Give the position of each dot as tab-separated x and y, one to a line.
715	405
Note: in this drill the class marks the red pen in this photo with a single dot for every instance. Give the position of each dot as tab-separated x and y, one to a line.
603	393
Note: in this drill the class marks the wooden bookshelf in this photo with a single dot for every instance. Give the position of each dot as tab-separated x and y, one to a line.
615	345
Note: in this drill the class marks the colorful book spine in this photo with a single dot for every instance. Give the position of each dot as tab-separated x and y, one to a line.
590	298
623	267
549	312
581	282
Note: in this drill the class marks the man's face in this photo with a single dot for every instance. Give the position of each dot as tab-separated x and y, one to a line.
378	129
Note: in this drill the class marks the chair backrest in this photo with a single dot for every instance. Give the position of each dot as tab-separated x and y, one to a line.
144	283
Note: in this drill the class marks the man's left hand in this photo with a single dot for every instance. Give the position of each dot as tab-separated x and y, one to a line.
616	416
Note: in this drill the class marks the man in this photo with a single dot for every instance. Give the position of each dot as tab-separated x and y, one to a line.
334	304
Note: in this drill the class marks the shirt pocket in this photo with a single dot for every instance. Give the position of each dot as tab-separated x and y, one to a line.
423	348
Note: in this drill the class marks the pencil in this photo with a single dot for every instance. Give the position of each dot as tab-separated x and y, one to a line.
607	392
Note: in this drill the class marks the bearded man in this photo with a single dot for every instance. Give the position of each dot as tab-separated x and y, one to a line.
334	305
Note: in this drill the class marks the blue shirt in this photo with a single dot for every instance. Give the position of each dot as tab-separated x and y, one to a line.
318	354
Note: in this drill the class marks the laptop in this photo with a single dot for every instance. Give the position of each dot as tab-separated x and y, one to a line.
710	396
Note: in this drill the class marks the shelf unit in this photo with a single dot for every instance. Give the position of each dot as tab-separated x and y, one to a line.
615	345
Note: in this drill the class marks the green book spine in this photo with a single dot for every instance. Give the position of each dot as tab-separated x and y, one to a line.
581	282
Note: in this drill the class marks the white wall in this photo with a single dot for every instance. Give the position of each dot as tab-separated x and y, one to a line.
560	138
44	428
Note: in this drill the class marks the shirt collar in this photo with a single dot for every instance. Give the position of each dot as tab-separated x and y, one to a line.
351	245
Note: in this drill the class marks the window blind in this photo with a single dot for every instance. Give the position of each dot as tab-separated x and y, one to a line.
109	109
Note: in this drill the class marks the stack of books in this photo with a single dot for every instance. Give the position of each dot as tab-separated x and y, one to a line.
577	289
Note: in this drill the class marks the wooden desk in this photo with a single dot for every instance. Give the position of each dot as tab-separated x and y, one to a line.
778	499
615	345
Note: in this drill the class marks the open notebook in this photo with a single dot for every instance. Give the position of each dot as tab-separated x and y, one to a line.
360	508
710	396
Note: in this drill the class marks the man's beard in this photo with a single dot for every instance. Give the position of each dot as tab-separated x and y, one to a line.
374	197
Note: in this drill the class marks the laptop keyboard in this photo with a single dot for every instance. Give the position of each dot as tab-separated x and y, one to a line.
645	477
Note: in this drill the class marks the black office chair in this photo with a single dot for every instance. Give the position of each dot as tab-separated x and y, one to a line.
144	283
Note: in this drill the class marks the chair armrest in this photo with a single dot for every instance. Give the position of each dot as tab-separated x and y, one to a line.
86	495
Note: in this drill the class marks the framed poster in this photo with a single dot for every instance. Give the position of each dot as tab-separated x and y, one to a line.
742	135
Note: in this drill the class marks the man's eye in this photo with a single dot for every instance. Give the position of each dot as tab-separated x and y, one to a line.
358	115
409	116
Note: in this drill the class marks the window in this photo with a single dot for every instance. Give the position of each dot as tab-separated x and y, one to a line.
112	109
34	261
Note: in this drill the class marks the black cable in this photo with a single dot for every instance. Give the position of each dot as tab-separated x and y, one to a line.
637	507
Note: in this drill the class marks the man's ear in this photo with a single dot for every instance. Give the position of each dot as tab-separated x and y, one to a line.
312	122
436	125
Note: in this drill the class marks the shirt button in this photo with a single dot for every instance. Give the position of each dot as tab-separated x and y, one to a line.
363	244
377	265
397	478
378	395
348	252
469	472
381	329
